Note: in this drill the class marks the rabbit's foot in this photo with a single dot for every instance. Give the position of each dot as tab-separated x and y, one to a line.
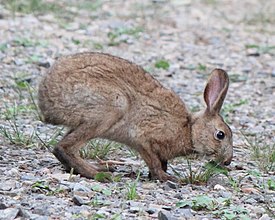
162	176
72	161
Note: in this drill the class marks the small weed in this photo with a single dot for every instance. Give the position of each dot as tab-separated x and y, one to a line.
271	184
232	212
236	77
132	189
102	216
263	154
3	47
15	135
31	6
220	207
230	108
33	59
43	187
210	2
92	44
97	46
76	41
162	64
201	67
101	189
103	177
40	185
52	140
22	83
25	42
204	174
203	202
98	149
97	201
12	111
261	49
90	5
116	217
114	36
97	216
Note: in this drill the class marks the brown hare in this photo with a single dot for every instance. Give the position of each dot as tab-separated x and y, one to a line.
97	95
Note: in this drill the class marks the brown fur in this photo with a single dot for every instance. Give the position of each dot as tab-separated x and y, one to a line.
99	95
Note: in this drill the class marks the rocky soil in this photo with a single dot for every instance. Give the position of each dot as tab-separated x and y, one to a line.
179	43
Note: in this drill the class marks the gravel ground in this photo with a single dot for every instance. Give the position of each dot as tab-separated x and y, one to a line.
190	38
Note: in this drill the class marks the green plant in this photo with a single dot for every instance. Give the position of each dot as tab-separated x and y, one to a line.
162	64
116	33
97	216
262	153
230	107
52	140
232	213
219	207
271	184
90	5
201	67
76	41
13	133
237	77
98	149
103	177
132	189
97	46
97	201
202	176
25	42
3	47
261	49
203	202
31	6
44	187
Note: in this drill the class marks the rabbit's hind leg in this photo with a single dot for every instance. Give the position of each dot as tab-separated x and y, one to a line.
67	151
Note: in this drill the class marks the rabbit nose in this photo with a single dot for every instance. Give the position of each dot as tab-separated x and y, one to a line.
228	161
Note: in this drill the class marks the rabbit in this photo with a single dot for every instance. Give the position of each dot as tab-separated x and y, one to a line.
97	95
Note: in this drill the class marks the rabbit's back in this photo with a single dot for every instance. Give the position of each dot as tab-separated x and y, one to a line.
93	87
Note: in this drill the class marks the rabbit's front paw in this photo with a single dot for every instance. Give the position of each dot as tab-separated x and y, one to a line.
162	176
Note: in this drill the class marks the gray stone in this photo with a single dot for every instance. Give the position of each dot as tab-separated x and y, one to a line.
225	194
178	196
29	177
164	215
259	198
151	211
42	210
3	206
135	209
172	185
250	201
265	217
78	200
185	212
8	185
9	213
82	188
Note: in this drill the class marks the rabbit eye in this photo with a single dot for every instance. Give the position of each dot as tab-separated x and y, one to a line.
219	135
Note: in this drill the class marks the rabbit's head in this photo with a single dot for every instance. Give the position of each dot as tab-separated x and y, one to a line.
211	135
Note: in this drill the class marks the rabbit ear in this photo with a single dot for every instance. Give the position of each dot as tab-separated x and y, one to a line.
215	90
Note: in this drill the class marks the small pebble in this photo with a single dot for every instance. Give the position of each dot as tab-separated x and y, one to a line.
265	217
